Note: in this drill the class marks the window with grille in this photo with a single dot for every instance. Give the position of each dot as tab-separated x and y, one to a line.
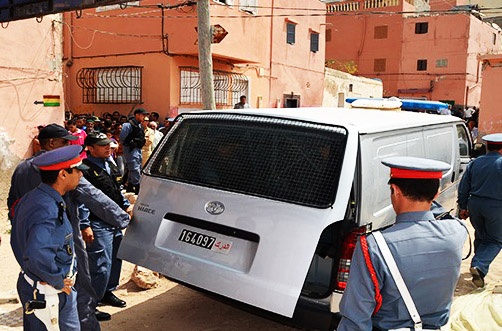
421	28
291	31
421	65
381	32
379	65
314	42
228	87
279	159
112	85
441	63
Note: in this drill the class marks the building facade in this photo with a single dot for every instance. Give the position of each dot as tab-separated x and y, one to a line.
421	55
490	116
30	68
339	85
119	59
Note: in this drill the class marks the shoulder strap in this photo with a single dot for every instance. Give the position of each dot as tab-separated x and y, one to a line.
398	279
371	269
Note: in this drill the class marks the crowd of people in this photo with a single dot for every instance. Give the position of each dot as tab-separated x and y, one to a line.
111	125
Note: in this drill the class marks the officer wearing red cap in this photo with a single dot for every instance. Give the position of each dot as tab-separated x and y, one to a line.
404	277
480	199
42	242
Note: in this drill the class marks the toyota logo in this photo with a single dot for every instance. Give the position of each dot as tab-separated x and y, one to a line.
215	207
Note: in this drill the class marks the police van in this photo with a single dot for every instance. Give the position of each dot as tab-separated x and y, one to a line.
263	207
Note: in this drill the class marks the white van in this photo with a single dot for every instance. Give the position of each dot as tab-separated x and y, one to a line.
264	206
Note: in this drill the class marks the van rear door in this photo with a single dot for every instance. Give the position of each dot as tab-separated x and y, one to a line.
235	204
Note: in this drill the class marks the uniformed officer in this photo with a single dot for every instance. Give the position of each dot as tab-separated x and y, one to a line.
102	239
427	252
480	199
132	138
42	241
27	176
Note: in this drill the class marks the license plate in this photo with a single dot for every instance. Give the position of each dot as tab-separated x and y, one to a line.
204	241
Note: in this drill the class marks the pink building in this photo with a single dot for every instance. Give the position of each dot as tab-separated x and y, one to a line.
118	59
427	56
490	116
31	68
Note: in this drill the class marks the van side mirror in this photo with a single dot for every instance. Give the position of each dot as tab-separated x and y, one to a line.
478	150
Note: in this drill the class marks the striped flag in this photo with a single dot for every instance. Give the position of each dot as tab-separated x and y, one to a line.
52	100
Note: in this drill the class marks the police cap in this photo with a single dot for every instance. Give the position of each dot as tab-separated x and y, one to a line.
97	139
61	158
415	167
141	111
495	138
55	131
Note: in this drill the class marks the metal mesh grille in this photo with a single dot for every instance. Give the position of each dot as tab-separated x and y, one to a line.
112	85
274	158
228	87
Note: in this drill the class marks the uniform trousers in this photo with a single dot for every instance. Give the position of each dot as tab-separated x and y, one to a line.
104	265
68	315
486	218
133	163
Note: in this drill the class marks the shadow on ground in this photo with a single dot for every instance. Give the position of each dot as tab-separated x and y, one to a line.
464	284
183	309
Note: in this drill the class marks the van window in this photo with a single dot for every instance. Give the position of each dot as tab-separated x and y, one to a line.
278	159
463	141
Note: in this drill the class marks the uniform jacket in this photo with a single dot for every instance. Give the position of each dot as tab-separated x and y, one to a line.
131	153
106	177
482	178
132	134
42	236
428	253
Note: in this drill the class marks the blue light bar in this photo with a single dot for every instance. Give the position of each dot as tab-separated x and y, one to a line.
410	104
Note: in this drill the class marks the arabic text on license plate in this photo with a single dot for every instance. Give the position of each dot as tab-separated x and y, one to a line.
205	241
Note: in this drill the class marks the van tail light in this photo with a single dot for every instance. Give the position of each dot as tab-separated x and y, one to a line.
348	247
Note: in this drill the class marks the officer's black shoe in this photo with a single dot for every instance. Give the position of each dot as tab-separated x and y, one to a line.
478	278
129	188
111	300
102	316
136	189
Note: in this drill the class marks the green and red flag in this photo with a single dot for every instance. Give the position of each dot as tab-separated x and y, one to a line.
52	100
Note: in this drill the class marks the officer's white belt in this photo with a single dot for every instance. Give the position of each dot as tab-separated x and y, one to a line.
42	288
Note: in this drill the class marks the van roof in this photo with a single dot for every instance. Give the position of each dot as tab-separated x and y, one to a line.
365	120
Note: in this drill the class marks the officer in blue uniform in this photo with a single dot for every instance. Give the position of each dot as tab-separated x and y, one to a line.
427	252
132	138
27	176
42	241
102	239
480	198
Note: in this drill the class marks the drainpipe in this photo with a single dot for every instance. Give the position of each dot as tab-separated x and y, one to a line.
271	49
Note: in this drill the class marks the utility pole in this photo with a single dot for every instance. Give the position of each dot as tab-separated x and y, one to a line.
205	56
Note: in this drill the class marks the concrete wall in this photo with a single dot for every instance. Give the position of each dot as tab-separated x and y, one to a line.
30	58
490	115
337	88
